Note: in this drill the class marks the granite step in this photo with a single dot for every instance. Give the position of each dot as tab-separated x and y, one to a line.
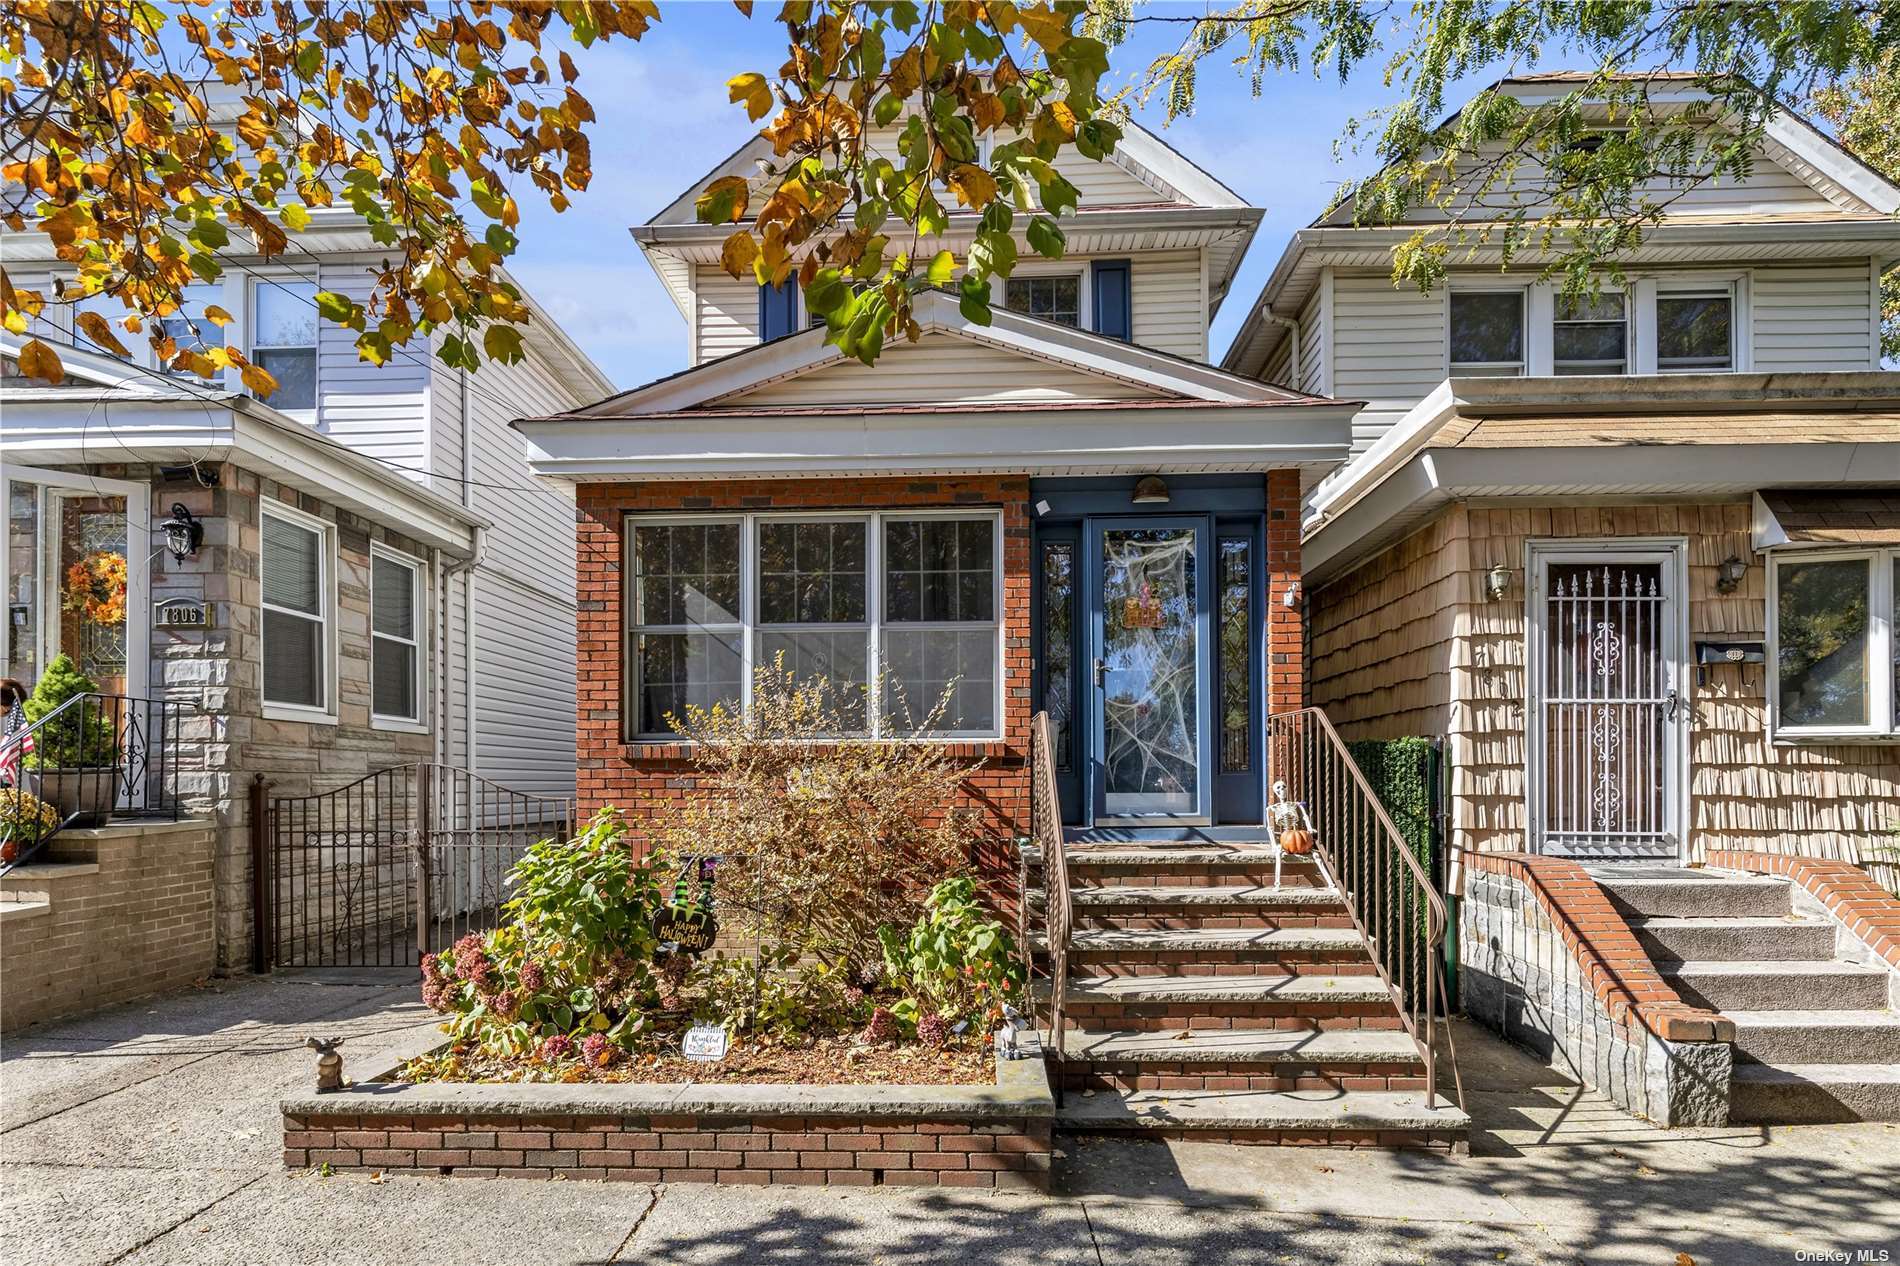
1205	990
1813	1094
1354	1118
1310	1003
1817	1037
1778	986
1288	951
1699	895
1177	1046
1735	940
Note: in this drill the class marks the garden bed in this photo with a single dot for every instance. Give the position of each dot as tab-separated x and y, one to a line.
822	1061
993	1134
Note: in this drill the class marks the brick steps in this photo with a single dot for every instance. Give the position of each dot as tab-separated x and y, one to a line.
1359	1118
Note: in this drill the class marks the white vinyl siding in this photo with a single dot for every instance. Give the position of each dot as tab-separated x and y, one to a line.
1169	299
1388	349
938	369
1313	366
1813	319
725	313
378	410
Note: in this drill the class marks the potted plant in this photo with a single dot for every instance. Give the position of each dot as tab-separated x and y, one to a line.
76	751
24	819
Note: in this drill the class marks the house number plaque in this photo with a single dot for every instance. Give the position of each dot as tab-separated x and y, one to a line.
182	613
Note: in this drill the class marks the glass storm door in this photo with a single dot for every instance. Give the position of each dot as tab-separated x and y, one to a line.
1150	660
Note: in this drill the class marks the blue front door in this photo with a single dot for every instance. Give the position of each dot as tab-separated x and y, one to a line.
1149	669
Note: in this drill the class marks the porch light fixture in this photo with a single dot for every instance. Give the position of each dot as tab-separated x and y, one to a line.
1290	598
183	534
1151	490
1497	582
1729	573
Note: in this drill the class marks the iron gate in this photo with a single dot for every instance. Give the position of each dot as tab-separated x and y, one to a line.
392	866
1607	709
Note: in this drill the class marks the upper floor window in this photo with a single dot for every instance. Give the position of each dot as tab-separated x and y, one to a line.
1487	333
1057	298
284	340
1590	335
189	327
1836	651
1695	329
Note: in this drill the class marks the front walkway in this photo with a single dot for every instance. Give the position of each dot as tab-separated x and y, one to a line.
149	1134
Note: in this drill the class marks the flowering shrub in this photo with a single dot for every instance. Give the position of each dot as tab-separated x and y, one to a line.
24	817
957	962
574	957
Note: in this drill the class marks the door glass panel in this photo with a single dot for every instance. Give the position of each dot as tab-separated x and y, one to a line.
1151	755
1058	647
91	575
23	581
1236	658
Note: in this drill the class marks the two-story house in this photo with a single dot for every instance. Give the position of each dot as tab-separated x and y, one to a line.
1636	558
373	578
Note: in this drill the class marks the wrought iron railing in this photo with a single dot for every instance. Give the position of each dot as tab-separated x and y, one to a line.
395	865
1045	828
1387	891
96	758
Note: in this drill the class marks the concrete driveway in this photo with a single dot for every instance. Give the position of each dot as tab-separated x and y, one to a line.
149	1134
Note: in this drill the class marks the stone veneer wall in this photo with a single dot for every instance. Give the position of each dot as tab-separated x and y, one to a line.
1547	962
220	669
127	913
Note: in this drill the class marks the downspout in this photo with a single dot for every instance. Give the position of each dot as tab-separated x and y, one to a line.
1292	327
468	585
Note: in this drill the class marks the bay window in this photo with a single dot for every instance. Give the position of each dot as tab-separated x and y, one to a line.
914	593
1833	644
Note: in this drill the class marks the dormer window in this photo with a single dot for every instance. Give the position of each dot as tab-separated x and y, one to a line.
1057	298
1591	335
1487	333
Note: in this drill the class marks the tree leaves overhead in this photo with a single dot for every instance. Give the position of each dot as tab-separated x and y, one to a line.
887	118
1578	172
155	143
1865	111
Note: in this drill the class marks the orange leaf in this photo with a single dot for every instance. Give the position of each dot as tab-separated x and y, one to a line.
257	382
99	330
37	360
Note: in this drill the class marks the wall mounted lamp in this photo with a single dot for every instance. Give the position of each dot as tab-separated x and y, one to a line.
183	534
1729	573
1497	582
1151	490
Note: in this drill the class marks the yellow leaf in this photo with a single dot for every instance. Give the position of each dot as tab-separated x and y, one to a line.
217	316
737	253
37	360
257	382
752	89
974	187
99	330
724	201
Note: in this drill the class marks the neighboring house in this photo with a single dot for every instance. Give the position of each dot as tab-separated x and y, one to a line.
1635	557
382	578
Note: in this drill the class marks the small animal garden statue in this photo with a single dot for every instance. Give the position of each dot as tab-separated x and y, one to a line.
329	1063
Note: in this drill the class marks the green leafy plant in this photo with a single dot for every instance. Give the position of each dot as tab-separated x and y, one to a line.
83	735
574	957
957	961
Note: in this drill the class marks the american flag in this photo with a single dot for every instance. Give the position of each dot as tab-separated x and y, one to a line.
16	744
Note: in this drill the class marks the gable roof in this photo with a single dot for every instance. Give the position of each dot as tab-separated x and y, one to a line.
1853	208
1082	367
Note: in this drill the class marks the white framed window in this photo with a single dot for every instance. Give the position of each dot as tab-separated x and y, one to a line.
190	328
1590	335
709	598
1486	333
297	570
284	340
395	637
1695	327
1833	648
1053	297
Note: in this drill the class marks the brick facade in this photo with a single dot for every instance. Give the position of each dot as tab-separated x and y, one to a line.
127	912
1286	625
633	776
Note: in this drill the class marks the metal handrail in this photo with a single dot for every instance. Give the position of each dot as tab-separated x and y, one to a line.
1384	887
1045	817
138	776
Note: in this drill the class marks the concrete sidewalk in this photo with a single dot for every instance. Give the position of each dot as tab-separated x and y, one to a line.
149	1134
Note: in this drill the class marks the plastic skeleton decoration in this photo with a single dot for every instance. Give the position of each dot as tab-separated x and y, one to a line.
1285	814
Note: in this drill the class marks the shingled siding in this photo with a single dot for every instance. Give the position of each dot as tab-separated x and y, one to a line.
642	777
1415	615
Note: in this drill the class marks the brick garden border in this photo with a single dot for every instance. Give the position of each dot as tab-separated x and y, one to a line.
952	1136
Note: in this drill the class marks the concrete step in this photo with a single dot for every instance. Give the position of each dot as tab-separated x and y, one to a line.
1817	1037
1778	986
1180	864
1311	1003
1185	1046
1173	907
1735	940
1356	1117
1243	896
1217	952
1699	895
38	881
1204	990
1813	1094
1138	940
12	911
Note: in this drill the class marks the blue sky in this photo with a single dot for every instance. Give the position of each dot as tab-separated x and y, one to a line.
664	121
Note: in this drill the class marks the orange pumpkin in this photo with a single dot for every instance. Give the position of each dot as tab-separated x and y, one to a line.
1296	841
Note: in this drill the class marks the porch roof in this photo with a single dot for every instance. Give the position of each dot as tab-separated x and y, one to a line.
1790	517
1662	438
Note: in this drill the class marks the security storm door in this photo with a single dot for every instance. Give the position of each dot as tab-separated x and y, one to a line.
1150	658
1608	710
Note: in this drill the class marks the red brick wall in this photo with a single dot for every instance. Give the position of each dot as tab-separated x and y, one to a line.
612	771
1286	626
